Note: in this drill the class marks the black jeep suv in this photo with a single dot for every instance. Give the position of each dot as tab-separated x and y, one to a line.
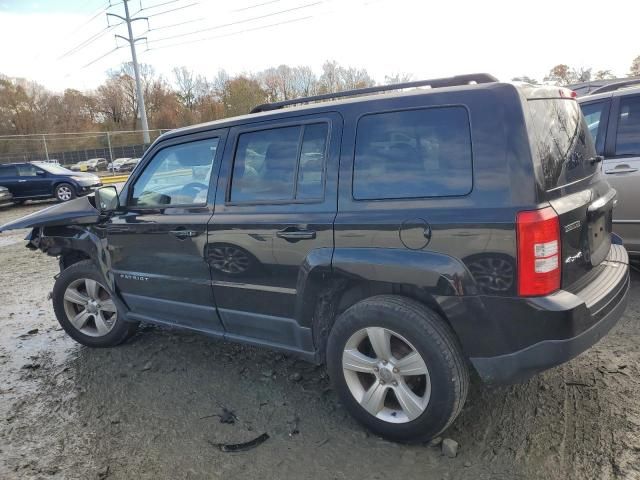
402	238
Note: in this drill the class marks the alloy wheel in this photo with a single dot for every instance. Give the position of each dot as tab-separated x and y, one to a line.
386	375
228	259
89	307
64	193
494	274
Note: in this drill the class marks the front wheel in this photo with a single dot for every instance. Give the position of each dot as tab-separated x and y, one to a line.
397	368
86	310
65	192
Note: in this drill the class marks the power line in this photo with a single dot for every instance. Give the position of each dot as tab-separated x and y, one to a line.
173	10
96	13
232	33
155	6
163	27
238	22
101	57
255	6
89	41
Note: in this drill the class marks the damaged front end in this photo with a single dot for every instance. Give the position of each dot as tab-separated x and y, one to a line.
65	231
81	211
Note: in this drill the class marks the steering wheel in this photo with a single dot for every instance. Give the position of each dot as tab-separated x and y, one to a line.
193	189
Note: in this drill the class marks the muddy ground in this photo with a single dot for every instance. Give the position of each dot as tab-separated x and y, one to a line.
151	408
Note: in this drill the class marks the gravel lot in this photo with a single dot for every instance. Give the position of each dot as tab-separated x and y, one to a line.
153	408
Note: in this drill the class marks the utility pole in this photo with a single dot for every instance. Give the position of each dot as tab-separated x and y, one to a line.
46	150
136	70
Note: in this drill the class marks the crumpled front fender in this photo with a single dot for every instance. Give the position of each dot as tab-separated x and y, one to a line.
79	211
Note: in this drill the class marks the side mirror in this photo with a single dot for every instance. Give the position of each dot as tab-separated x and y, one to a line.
107	199
41	173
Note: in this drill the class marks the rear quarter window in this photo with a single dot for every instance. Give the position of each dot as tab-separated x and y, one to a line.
413	154
561	141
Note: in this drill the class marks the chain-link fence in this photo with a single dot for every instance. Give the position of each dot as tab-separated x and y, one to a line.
70	148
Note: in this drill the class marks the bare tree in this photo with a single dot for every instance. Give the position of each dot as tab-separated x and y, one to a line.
306	81
634	71
352	78
603	75
397	78
330	80
525	79
187	86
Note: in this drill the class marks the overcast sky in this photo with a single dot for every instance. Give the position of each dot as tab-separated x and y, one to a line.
427	38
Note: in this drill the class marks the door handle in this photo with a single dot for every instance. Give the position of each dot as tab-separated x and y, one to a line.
21	181
621	168
182	234
290	233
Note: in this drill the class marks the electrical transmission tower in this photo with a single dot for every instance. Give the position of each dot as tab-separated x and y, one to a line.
136	69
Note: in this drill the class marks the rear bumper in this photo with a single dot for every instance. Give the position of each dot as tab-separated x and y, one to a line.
563	325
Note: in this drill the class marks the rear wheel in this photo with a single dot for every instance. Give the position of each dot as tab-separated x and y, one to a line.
65	192
398	368
86	310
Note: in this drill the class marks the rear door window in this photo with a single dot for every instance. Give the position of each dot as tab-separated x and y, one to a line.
561	141
280	164
595	116
413	154
8	171
628	134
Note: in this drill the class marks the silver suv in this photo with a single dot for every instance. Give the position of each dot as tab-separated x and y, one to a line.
612	113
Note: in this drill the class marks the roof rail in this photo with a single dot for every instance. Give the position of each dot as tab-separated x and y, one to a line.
433	83
610	87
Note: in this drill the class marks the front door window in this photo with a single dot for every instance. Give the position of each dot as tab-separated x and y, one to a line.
177	175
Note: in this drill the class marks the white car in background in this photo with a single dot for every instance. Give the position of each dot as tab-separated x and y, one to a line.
127	166
113	166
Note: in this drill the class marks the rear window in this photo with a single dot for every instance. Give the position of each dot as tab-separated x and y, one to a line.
561	141
413	154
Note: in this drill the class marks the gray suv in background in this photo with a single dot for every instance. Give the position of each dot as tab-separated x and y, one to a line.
612	113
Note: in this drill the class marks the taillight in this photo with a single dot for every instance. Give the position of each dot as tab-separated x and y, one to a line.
566	93
538	233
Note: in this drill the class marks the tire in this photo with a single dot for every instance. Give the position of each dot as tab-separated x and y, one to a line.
438	395
101	327
65	192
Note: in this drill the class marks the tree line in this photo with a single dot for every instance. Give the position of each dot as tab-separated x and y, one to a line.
186	97
27	107
563	74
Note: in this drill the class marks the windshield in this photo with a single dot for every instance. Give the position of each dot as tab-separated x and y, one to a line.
55	169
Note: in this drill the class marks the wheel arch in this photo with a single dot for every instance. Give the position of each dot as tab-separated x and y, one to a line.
60	181
73	244
331	282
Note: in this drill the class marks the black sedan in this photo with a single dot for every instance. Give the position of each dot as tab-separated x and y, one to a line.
36	181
